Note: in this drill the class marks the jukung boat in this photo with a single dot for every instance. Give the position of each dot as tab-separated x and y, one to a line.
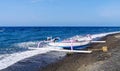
70	44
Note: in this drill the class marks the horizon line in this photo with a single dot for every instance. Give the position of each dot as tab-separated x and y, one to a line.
58	26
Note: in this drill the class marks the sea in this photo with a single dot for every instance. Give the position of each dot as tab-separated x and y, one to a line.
15	42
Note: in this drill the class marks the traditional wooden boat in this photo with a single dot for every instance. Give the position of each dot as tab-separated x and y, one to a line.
70	44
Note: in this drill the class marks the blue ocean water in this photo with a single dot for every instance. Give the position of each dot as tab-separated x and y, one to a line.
9	36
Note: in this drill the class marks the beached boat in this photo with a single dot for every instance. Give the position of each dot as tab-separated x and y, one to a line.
70	44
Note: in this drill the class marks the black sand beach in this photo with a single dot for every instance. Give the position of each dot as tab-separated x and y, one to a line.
96	61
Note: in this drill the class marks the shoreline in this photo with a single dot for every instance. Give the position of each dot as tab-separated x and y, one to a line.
53	61
33	63
96	61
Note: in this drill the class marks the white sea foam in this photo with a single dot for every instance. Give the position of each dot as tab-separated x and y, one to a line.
103	34
26	44
10	59
91	37
7	60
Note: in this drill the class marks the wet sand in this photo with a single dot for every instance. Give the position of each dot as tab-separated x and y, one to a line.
96	61
36	62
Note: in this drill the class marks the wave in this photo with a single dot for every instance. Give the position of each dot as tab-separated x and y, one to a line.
7	60
104	34
10	59
26	44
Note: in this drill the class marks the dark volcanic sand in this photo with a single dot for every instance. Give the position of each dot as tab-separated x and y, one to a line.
35	62
96	61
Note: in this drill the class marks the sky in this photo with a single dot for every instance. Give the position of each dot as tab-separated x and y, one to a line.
59	12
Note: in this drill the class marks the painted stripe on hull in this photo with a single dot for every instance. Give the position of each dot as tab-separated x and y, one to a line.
77	47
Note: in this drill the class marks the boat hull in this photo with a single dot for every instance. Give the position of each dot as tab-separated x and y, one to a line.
69	45
77	47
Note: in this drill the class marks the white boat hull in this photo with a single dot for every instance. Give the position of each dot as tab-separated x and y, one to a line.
69	44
